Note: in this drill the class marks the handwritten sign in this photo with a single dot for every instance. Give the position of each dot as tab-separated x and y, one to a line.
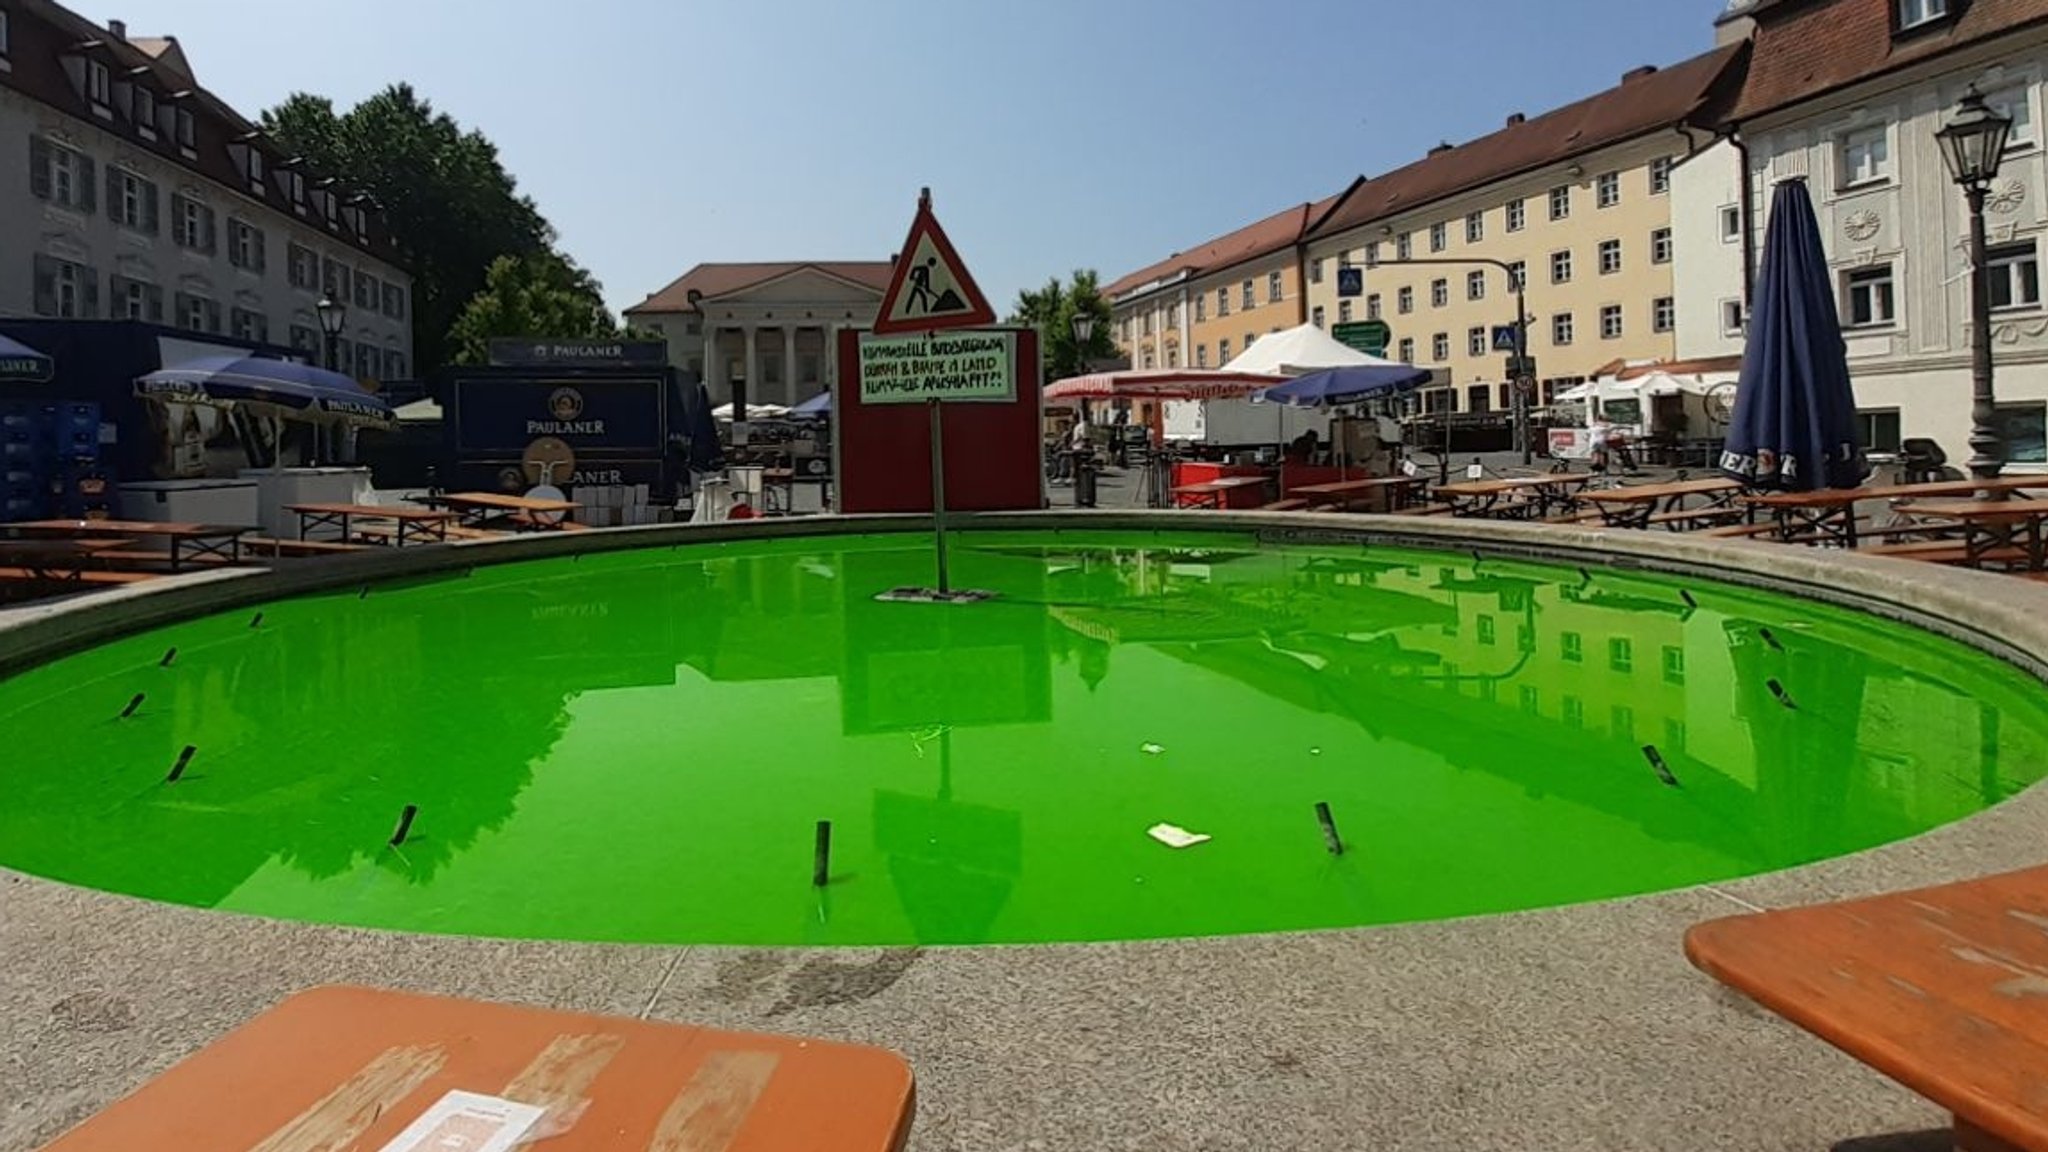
961	365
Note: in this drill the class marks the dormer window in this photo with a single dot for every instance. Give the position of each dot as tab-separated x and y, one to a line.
187	128
99	85
142	110
6	36
1915	13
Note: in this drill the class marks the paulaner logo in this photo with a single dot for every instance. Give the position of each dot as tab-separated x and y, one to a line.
566	406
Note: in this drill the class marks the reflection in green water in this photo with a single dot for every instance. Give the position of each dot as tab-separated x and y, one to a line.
636	746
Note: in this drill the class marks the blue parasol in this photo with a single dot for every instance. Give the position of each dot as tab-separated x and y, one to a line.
20	363
1794	426
816	408
283	385
1347	385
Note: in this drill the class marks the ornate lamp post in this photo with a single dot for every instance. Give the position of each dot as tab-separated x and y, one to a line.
1973	145
1083	328
333	318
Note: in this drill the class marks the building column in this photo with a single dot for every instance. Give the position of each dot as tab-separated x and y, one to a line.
751	371
789	365
828	366
714	367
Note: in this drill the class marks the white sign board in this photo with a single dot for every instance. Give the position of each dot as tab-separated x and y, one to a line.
960	365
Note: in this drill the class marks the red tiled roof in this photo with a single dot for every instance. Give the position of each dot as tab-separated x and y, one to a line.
1276	232
1805	49
1640	105
712	280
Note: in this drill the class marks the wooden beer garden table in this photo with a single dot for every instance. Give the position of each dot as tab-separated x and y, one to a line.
1526	496
1641	505
410	524
1829	514
218	542
341	1068
526	511
2006	532
1209	493
1341	493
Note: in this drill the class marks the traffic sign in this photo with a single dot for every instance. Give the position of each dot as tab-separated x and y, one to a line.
929	289
1519	366
1504	337
1350	281
1368	336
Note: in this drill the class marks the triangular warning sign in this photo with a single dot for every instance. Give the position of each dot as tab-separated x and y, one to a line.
930	289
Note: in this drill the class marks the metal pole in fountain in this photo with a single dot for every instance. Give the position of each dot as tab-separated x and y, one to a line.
939	492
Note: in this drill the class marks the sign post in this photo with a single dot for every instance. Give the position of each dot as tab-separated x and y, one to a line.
928	346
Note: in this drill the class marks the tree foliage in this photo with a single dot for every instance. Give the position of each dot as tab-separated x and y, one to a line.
543	294
1052	309
447	199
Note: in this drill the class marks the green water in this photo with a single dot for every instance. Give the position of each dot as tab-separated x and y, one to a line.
637	746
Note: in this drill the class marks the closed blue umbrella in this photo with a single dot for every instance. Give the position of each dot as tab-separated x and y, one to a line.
1347	385
1794	426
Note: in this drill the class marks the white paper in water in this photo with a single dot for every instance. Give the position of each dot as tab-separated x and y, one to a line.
467	1122
1175	836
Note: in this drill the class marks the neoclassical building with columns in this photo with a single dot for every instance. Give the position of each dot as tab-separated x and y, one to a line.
772	325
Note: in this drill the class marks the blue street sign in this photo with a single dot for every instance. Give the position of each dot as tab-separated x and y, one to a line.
1350	281
1503	337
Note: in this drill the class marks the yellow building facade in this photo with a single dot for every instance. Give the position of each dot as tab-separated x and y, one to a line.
1199	308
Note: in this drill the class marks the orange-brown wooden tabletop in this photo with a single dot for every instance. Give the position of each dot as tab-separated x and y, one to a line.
341	1068
1943	989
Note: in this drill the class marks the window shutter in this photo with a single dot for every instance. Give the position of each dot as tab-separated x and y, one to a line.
256	249
180	308
207	225
39	167
119	303
113	192
155	296
45	286
213	316
90	292
149	220
87	185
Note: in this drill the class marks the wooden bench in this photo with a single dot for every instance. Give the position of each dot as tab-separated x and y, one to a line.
1291	504
265	546
1937	988
152	558
1703	516
1738	531
101	576
1949	552
1424	510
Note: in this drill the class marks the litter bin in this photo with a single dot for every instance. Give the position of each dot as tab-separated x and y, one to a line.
1084	480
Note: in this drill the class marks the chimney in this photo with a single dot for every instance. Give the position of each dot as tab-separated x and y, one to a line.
1515	118
893	257
1638	73
118	29
1445	146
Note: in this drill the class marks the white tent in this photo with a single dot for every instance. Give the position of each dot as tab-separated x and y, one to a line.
1297	352
724	413
422	411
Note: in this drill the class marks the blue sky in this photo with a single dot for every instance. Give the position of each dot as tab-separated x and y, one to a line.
1107	133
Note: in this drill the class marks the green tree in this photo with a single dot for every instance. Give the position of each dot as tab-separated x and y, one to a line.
543	294
447	199
1052	309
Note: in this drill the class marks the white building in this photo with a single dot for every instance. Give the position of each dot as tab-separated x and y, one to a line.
129	192
1848	95
771	324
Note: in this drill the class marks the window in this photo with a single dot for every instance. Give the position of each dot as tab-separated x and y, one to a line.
1223	351
1316	315
1674	664
1621	654
1572	647
1518	215
1607	190
1404	246
1660	246
1561	329
1864	157
248	324
1249	337
142	110
1275	292
1913	13
1475	285
2024	428
2014	103
1561	267
1663	314
191	224
1867	297
1518	274
1439	293
1731	317
1610	257
1222	302
1406	350
245	245
61	175
305	338
1201	355
1660	175
131	200
1610	321
368	292
1475	227
1251	299
66	290
1344	310
334	278
4	34
1404	301
137	300
1561	202
1877	429
2015	276
1372	255
1145	324
186	126
99	85
1372	307
196	312
303	266
1439	236
1475	341
1201	312
369	362
1440	347
1315	270
1478	398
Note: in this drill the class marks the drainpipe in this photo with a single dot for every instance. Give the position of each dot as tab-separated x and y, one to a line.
1747	211
1301	282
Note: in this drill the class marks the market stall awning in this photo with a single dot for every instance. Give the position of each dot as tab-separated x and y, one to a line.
1161	384
1346	385
282	386
21	364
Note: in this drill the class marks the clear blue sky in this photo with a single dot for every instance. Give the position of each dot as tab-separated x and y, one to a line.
1107	133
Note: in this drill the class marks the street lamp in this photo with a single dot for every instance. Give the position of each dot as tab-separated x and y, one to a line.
1083	326
333	315
1973	145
